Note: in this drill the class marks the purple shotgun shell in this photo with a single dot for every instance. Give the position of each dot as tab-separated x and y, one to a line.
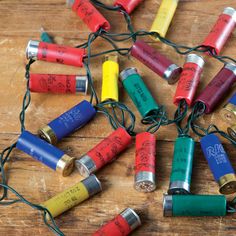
156	61
218	88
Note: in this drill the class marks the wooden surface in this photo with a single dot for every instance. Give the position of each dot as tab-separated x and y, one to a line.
21	21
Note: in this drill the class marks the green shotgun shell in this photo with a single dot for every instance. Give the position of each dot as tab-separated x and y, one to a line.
45	37
138	92
194	205
180	178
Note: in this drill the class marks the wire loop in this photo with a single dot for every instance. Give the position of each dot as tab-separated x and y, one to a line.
117	114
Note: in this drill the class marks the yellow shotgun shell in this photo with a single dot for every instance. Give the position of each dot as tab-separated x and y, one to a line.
73	196
164	17
110	73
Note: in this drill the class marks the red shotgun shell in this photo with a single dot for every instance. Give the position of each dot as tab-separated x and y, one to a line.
145	161
55	53
128	5
121	225
155	61
104	152
51	83
89	14
221	31
189	79
218	87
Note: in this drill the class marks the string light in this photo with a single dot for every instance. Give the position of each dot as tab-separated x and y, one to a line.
164	17
155	117
45	153
145	162
122	225
53	83
110	74
221	31
49	52
68	122
194	205
104	152
219	163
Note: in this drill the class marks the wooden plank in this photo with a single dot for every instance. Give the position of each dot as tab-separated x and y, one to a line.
38	183
68	29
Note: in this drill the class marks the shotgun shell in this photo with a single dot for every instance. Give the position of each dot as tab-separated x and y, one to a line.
229	111
68	122
182	164
128	5
89	15
194	205
104	152
219	163
121	225
164	17
73	196
55	53
45	153
221	31
110	74
156	61
232	132
138	92
189	79
145	161
51	83
218	88
45	37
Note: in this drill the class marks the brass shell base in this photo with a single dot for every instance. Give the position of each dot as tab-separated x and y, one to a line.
65	165
227	184
47	134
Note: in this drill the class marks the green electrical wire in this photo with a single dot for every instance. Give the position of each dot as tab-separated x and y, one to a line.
111	108
27	96
124	13
3	159
102	5
197	111
181	112
155	120
111	114
7	151
180	49
231	206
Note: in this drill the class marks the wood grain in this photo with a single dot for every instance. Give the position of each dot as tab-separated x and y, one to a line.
21	21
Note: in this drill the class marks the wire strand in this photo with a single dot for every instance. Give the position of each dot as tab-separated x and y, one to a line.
52	226
198	110
180	114
27	96
117	114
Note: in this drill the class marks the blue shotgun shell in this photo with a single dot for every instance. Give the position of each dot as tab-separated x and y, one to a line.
228	112
232	100
46	153
68	122
219	163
